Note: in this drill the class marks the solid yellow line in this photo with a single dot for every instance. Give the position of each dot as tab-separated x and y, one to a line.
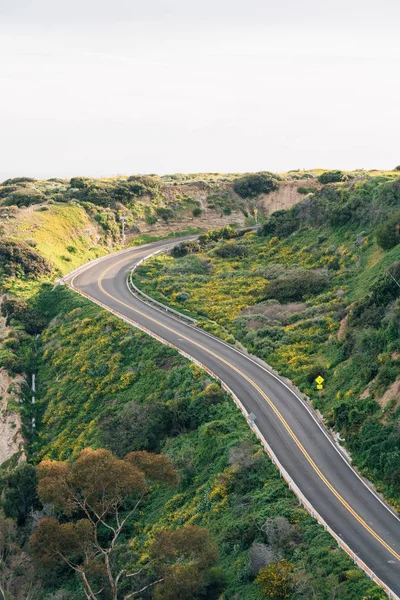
269	402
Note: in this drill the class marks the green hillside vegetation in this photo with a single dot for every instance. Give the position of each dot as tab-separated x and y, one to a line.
315	293
103	384
140	198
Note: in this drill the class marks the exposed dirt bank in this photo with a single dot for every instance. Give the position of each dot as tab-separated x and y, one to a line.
11	440
287	194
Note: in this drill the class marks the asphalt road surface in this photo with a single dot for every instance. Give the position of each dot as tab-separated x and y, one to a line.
327	481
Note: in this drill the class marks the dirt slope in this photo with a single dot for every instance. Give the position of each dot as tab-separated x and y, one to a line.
287	194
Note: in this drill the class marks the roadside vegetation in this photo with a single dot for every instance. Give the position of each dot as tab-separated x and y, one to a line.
204	512
103	385
316	292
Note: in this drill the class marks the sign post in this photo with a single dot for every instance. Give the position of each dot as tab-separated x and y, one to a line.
319	380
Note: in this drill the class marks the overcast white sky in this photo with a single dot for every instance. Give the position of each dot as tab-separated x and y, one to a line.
104	87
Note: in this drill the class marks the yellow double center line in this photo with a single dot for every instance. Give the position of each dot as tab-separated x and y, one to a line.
269	402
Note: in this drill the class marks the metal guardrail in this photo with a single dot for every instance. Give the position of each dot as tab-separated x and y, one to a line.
292	485
149	299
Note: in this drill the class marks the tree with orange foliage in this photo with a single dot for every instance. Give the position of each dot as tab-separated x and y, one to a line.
105	492
275	580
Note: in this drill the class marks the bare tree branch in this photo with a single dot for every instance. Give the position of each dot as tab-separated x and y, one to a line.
126	597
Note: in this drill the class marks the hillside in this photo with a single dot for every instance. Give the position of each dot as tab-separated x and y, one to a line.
314	293
102	384
152	205
296	295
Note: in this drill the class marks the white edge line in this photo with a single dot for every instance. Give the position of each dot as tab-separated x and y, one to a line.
292	486
308	408
165	248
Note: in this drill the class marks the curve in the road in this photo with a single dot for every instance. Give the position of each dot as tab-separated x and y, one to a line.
274	408
330	485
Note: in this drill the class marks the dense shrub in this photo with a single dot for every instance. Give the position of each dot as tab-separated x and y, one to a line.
196	211
24	197
141	185
165	213
19	259
388	234
79	182
282	223
139	427
296	286
17	180
275	580
6	190
184	248
250	186
231	251
182	296
18	491
385	195
97	193
21	311
332	177
225	233
305	190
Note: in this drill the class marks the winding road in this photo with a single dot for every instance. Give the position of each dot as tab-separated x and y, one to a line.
301	445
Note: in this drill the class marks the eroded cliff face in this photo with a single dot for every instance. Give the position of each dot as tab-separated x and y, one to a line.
212	216
11	439
287	194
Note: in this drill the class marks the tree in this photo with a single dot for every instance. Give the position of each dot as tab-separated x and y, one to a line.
20	310
332	177
107	491
135	427
18	488
388	234
250	186
184	555
260	555
16	573
275	580
282	223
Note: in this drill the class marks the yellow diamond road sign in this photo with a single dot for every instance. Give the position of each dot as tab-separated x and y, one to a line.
319	379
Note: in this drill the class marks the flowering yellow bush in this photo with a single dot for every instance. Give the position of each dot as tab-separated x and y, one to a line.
274	580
